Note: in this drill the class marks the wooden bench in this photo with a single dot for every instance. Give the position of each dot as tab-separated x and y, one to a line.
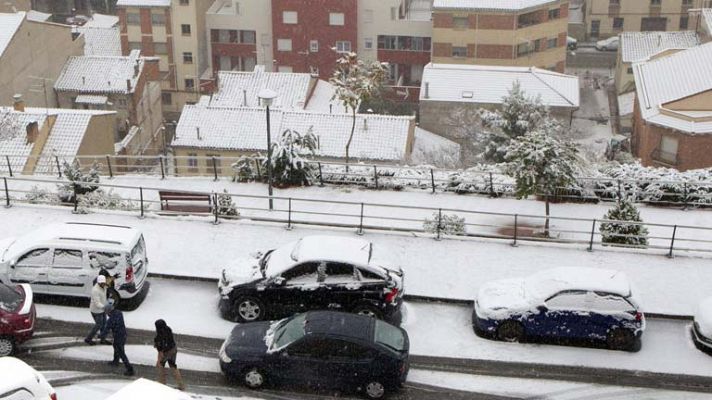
181	201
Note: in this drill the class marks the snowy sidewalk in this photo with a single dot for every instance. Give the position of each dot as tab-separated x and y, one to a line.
450	268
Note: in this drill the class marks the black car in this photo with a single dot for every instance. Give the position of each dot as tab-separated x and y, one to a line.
323	349
313	273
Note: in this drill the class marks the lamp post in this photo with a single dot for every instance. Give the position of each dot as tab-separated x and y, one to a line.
266	97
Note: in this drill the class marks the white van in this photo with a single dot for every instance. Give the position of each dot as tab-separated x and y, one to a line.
65	258
21	382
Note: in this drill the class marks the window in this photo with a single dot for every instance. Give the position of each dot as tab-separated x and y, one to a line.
301	273
537	45
160	48
189	83
606	303
247	37
618	23
158	19
551	43
554	13
217	165
653	24
614	2
65	258
289	17
684	22
569	300
343	46
656	2
458	51
389	336
134	45
528	19
668	149
105	260
166	99
122	103
630	70
133	19
34	258
284	44
523	49
313	46
285	68
339	273
460	22
192	162
595	27
290	332
417	43
367	16
184	2
368	43
185	29
187	57
336	19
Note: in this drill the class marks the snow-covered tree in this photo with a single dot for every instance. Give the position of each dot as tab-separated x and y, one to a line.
243	168
356	81
79	181
540	164
9	125
449	224
226	206
622	232
289	167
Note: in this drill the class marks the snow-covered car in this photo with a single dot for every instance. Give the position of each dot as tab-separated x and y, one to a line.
146	389
571	43
17	317
22	382
702	326
312	273
562	303
65	258
610	44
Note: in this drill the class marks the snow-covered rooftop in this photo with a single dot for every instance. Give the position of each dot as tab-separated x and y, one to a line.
38	16
656	87
101	74
143	3
490	5
9	24
490	84
101	41
381	137
641	46
102	21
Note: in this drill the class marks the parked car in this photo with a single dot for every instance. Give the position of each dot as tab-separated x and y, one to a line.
313	273
702	326
325	349
571	43
65	258
17	317
562	303
22	382
610	44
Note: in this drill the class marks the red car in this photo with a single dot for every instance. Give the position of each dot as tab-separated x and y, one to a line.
17	317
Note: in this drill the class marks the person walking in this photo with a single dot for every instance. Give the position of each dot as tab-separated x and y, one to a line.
115	324
96	308
167	353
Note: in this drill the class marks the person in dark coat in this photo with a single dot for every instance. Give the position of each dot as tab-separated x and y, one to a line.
115	324
165	344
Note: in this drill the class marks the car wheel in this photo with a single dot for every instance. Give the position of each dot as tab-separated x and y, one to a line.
253	378
374	390
620	339
510	331
368	310
7	346
248	309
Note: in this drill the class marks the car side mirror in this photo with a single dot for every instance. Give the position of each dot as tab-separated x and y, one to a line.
12	264
542	309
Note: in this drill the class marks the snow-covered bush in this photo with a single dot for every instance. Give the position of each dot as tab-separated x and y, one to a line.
288	165
622	232
99	199
450	224
226	206
244	169
38	195
79	182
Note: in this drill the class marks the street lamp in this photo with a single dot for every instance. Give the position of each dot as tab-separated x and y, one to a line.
266	97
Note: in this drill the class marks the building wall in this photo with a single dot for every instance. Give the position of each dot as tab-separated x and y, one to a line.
99	137
10	6
122	104
493	38
633	12
37	50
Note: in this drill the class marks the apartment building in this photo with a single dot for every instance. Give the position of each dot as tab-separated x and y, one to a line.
605	18
505	33
175	32
701	23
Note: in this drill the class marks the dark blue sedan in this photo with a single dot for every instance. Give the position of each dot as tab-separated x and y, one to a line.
561	303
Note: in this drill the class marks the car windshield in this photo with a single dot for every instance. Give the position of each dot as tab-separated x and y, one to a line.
289	331
389	336
277	261
10	298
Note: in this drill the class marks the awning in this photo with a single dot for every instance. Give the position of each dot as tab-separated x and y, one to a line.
91	99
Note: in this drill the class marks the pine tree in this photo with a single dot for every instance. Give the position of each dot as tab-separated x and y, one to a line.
289	167
226	206
621	232
540	164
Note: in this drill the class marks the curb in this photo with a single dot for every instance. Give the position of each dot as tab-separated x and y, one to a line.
409	297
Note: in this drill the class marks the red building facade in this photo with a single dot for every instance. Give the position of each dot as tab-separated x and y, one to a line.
306	32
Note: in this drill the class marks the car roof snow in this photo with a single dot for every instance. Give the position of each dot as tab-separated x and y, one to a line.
333	248
552	281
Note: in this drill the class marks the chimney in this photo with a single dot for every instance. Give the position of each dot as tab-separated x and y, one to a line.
197	132
18	104
244	97
365	123
128	85
33	132
136	68
84	80
427	90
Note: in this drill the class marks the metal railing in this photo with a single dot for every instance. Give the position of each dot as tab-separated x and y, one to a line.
361	216
681	194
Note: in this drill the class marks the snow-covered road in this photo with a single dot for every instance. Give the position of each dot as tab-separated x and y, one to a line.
434	330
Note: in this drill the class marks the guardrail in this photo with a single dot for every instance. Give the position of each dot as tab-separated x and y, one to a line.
361	216
681	194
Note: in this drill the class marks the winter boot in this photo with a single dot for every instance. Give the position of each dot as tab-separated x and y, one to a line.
161	374
179	379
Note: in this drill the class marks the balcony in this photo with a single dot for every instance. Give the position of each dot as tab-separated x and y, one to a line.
665	158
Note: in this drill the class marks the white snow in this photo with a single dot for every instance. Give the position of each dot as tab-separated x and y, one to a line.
145	389
102	389
432	149
703	317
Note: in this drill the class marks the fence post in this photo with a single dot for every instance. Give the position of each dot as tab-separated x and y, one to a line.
7	194
432	179
215	206
76	197
440	222
672	241
163	170
684	199
375	175
516	222
140	192
108	164
491	185
321	176
9	166
593	230
59	169
289	215
360	224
